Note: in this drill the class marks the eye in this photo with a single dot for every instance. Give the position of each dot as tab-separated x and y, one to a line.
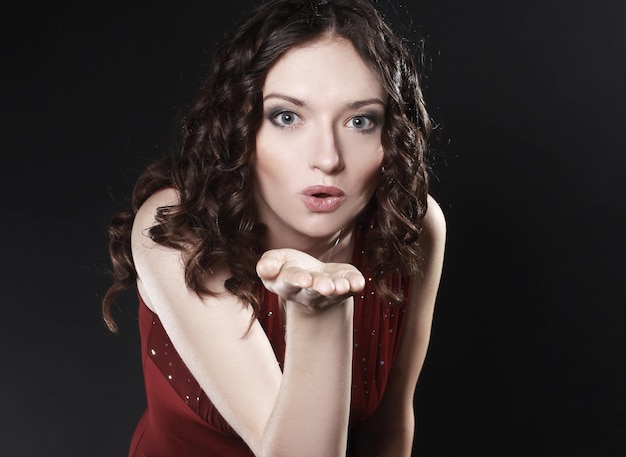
285	119
361	122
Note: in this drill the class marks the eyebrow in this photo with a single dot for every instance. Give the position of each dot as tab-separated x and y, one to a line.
353	105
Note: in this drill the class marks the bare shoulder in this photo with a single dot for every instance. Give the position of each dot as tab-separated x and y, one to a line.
396	409
145	217
242	381
159	268
432	243
421	304
433	223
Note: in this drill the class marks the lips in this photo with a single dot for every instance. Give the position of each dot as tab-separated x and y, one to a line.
321	199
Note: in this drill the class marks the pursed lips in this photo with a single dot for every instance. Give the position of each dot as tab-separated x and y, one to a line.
322	198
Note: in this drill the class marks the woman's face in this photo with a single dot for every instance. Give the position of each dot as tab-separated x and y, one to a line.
318	151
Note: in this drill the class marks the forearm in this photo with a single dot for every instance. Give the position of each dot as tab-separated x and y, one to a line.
311	414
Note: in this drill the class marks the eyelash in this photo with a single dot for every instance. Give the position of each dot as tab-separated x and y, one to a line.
275	114
373	119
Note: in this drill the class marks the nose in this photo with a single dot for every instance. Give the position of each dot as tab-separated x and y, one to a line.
325	154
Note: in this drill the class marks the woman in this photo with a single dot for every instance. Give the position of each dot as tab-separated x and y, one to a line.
286	262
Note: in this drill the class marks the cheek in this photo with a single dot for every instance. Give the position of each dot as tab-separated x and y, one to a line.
263	156
367	179
269	167
372	169
272	151
372	181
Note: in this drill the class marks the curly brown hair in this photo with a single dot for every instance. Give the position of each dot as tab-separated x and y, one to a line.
215	219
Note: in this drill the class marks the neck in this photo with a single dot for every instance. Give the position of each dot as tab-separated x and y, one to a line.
339	250
334	248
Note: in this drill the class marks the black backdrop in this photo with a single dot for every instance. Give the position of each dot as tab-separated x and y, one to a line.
527	353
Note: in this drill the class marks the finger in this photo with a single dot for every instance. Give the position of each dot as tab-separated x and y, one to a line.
296	277
350	274
332	285
269	265
356	281
323	284
342	286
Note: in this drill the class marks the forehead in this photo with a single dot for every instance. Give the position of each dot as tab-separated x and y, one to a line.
329	69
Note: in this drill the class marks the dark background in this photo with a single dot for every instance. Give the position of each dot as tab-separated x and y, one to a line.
527	353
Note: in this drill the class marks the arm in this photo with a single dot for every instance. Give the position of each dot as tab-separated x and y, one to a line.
389	431
312	408
301	412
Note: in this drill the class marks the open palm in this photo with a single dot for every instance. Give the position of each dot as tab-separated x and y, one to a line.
298	277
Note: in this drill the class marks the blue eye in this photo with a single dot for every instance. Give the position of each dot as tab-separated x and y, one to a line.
361	122
285	118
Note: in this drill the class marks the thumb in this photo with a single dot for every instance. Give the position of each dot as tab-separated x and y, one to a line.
269	265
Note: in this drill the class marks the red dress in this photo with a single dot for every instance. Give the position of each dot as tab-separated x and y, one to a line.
180	419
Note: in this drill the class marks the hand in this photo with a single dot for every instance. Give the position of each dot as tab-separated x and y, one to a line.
298	277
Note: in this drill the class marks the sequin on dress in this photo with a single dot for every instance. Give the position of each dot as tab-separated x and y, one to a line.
180	419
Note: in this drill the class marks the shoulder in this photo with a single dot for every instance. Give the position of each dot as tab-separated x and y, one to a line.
425	282
146	214
434	223
432	236
160	266
422	298
396	408
151	259
145	217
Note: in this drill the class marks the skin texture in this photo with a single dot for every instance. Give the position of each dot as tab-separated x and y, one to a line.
318	99
323	111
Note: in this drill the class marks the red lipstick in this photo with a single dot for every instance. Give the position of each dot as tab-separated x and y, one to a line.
322	199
